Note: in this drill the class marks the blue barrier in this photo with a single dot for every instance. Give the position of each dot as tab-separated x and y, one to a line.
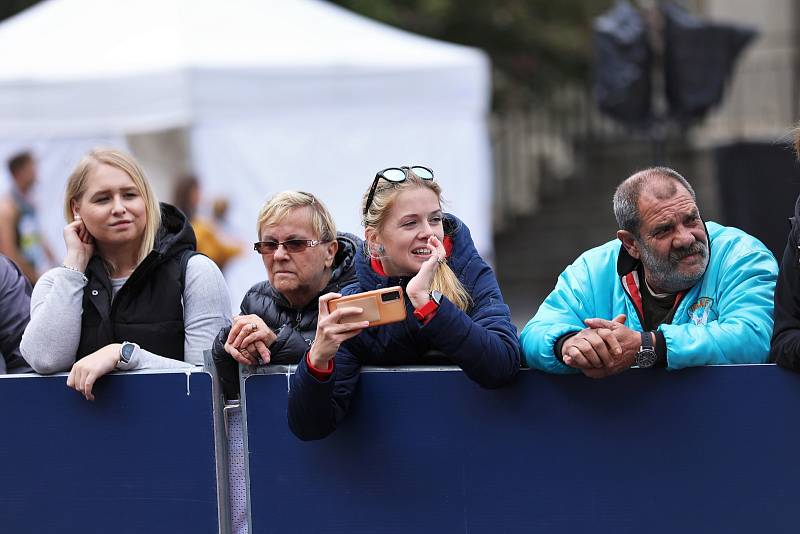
141	458
700	450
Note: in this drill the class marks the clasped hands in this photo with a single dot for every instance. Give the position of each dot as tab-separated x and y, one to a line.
249	340
603	348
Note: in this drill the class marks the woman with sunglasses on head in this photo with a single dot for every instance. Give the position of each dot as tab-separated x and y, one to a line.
304	258
455	312
131	293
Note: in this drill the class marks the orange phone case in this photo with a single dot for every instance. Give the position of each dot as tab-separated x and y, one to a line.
381	306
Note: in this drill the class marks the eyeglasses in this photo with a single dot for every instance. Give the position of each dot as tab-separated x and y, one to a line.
396	175
291	246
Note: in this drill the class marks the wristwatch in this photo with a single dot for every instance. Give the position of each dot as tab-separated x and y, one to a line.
126	352
646	357
429	307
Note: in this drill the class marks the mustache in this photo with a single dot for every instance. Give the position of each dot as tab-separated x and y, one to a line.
697	247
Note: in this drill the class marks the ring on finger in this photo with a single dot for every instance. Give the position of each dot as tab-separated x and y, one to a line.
253	327
441	261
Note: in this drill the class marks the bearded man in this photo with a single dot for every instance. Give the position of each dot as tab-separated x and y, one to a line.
670	291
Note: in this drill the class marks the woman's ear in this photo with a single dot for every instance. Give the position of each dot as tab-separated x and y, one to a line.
373	241
330	253
75	208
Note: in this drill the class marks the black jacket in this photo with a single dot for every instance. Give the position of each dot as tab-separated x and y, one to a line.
148	309
785	344
295	328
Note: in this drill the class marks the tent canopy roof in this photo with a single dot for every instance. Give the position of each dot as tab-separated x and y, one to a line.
110	66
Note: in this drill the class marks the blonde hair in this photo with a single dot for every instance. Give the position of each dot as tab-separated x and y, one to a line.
278	207
444	280
76	187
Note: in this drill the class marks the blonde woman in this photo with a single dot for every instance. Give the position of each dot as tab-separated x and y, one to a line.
455	312
131	293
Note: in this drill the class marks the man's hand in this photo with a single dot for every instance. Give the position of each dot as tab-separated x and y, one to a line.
591	348
628	340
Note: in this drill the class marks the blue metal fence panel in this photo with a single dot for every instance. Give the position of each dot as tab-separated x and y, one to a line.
138	459
700	450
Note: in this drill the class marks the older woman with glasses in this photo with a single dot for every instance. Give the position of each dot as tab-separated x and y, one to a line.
455	312
304	258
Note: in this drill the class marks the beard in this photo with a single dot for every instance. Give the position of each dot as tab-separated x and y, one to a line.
663	270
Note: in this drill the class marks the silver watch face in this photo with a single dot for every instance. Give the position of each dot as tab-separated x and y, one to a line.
645	358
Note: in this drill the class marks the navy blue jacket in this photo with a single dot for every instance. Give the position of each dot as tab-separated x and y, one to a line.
15	310
483	342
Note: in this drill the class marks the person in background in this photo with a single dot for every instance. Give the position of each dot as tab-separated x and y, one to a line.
671	291
210	241
455	311
15	303
785	345
304	257
131	293
21	238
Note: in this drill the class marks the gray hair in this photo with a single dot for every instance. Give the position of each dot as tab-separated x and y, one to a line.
626	197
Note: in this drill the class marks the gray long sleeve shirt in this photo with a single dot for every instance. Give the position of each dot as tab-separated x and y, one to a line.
50	341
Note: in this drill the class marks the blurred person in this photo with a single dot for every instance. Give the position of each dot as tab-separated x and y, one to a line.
455	311
785	346
21	237
209	239
131	293
304	257
15	301
671	291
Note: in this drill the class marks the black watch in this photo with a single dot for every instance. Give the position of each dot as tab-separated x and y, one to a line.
126	352
646	357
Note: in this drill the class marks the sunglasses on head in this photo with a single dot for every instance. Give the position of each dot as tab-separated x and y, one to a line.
291	246
396	175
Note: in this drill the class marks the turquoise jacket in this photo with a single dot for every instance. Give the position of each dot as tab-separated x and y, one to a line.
726	318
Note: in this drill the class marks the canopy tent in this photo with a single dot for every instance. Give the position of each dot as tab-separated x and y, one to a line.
272	94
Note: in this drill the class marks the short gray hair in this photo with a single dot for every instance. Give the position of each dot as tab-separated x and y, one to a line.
626	197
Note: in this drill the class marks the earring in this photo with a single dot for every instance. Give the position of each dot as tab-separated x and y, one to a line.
381	251
77	217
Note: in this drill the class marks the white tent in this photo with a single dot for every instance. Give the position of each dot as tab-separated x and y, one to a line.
271	95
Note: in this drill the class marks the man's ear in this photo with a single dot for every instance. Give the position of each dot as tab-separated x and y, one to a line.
630	243
330	253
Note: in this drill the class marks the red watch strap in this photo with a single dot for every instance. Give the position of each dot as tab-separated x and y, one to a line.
422	313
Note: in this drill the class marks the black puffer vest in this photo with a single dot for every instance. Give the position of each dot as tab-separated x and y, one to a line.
148	309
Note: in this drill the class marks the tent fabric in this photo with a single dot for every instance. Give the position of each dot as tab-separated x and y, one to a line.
274	94
115	65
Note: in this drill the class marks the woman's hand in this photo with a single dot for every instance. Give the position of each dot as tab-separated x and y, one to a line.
419	287
80	245
332	330
249	338
88	369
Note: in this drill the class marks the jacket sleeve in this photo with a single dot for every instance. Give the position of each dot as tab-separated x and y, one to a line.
484	343
227	368
289	347
785	346
51	338
316	407
741	332
562	312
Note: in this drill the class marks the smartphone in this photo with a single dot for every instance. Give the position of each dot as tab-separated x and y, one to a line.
380	306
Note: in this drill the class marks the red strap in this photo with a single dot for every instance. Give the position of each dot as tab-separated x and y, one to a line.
427	311
319	374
